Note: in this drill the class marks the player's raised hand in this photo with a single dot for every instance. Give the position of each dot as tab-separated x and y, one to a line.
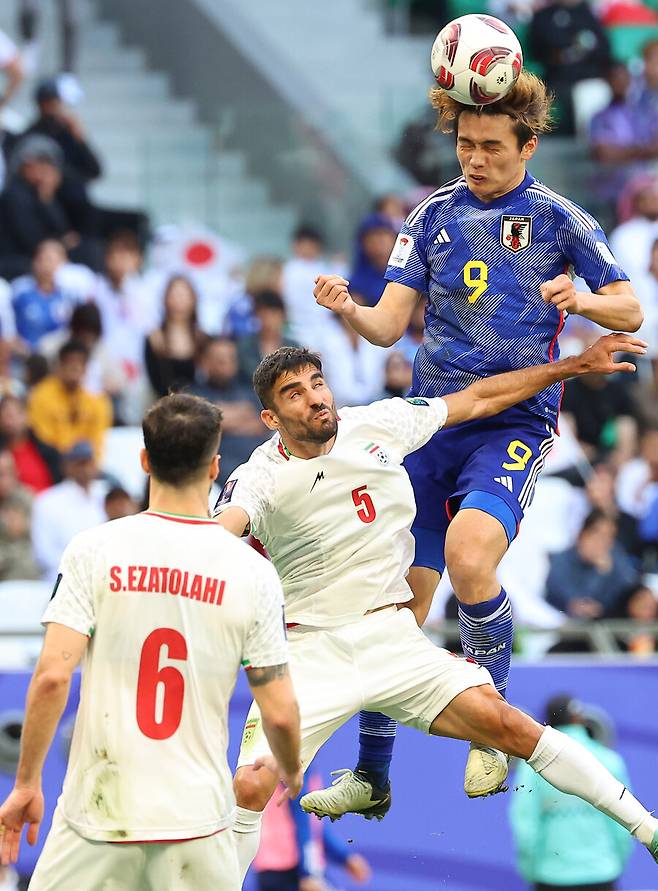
22	806
331	291
560	291
599	358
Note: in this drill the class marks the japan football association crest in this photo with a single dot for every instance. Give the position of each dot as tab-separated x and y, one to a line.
515	232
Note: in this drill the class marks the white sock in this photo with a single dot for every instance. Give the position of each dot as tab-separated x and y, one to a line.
246	831
568	766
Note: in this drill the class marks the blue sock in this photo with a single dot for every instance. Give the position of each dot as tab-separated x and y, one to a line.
376	738
487	631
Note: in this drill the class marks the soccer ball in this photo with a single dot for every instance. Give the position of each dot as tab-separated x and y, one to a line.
476	59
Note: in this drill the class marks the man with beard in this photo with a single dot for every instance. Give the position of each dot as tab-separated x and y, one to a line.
329	499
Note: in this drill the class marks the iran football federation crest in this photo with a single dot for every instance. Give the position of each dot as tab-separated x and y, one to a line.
515	232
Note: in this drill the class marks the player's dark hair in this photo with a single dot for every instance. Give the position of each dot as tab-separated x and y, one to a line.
277	363
528	104
72	348
181	435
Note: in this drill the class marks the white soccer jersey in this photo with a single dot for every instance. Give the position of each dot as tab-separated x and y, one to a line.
337	526
172	605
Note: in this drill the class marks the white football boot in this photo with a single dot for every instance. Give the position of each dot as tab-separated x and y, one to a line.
486	771
350	793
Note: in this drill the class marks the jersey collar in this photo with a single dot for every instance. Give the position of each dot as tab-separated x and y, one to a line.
502	200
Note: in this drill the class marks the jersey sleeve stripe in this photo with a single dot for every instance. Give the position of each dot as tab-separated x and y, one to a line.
565	204
440	194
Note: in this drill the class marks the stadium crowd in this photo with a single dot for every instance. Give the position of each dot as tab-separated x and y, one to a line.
96	321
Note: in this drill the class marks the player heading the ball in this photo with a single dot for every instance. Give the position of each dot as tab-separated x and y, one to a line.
488	252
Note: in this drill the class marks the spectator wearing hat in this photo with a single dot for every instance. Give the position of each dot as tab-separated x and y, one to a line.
374	242
61	411
562	842
41	202
61	512
59	124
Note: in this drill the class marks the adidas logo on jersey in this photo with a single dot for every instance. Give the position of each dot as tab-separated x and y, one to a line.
505	481
442	237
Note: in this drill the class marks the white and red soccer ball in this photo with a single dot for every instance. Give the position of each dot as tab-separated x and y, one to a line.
476	59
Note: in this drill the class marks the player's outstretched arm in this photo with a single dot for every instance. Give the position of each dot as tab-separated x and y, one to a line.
383	324
275	697
492	395
614	306
46	698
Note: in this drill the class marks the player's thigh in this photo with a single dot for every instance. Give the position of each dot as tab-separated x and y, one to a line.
476	542
70	861
503	469
407	677
325	682
433	471
482	715
210	862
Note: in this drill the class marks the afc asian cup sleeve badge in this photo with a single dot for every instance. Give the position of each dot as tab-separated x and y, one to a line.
404	245
515	232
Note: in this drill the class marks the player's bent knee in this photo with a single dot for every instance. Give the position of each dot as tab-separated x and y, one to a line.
472	572
253	788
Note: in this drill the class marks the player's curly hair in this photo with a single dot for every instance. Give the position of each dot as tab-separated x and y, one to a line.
528	103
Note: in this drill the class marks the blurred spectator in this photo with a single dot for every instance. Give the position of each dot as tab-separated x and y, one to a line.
418	149
397	375
171	350
623	137
104	374
10	385
640	605
588	580
60	125
391	206
128	312
16	559
217	380
118	503
567	38
39	203
40	306
563	843
12	68
353	367
646	88
637	482
375	240
604	417
308	260
631	242
270	316
61	411
646	288
37	464
67	508
295	847
263	274
29	23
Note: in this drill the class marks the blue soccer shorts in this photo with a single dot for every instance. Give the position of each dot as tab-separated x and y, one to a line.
492	465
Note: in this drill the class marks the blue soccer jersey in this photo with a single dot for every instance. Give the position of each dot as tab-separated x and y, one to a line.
481	265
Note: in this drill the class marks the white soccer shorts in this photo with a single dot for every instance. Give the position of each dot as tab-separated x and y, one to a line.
69	861
382	663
